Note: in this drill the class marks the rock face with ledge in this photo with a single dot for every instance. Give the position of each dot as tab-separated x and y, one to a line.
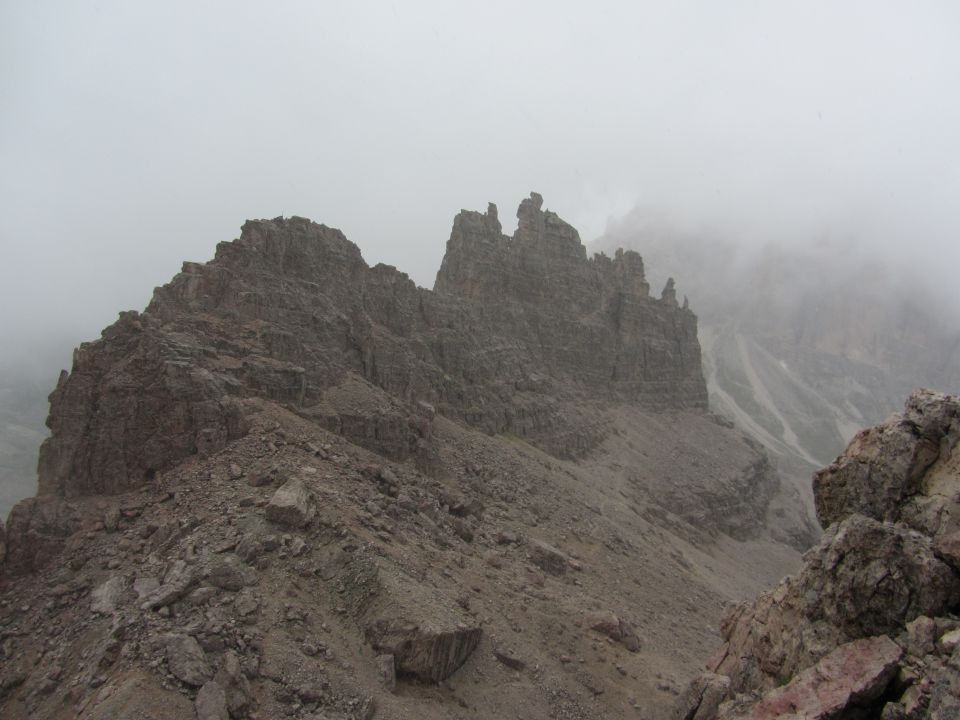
516	335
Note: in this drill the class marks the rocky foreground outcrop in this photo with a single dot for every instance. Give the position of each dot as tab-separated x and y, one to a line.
868	627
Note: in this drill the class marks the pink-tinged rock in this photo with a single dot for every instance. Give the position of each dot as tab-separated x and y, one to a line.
853	675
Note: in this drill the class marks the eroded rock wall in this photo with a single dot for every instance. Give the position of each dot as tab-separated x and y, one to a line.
518	331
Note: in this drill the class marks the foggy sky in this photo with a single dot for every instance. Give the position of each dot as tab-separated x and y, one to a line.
134	136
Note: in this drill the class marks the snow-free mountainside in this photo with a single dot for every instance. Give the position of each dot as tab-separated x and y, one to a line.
299	486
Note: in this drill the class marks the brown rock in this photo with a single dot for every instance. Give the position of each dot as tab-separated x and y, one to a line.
429	654
186	659
104	599
880	473
702	697
235	685
548	558
852	676
292	504
150	392
386	666
947	548
211	702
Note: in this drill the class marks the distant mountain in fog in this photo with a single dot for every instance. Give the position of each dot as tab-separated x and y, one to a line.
25	383
802	346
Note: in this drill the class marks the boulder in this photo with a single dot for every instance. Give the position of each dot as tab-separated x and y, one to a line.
178	580
186	659
292	504
864	578
235	685
211	702
548	558
881	472
853	676
430	654
105	598
702	697
615	628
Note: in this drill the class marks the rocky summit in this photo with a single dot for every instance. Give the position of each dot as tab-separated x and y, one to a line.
299	486
868	627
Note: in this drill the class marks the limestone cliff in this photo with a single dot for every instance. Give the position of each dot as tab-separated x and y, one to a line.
517	334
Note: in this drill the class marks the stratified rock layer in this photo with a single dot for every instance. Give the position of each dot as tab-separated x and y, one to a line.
516	332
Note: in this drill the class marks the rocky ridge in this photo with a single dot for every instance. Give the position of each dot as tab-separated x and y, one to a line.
290	309
298	486
868	627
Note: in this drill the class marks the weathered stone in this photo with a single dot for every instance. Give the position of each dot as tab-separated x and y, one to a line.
853	675
429	654
235	685
702	697
176	583
548	558
105	598
211	702
149	393
292	504
186	659
880	473
388	671
865	578
228	573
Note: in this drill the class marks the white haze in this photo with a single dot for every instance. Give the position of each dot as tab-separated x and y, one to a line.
137	135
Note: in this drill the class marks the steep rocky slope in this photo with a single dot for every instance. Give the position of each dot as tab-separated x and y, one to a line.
868	627
298	486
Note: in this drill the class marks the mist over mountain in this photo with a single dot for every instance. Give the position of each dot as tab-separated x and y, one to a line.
804	344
